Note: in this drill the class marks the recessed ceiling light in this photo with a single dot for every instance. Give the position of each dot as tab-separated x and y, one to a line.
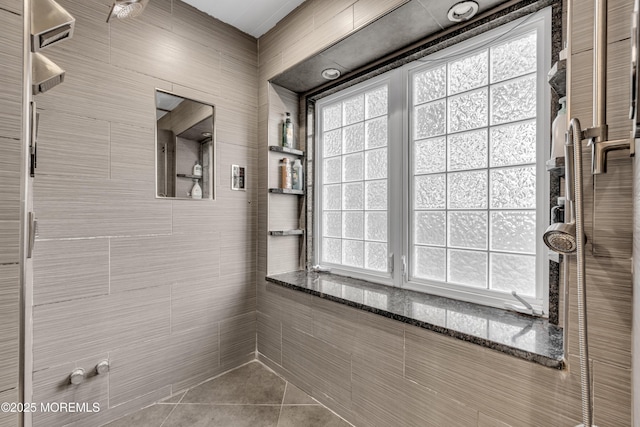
462	11
330	73
207	134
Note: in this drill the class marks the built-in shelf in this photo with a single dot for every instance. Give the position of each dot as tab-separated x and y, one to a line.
557	78
286	191
286	232
286	150
186	175
556	165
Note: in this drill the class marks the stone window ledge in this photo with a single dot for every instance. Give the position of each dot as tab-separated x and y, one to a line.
522	336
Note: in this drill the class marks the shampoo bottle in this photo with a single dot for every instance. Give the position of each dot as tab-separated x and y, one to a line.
287	132
196	191
285	173
197	169
296	175
558	130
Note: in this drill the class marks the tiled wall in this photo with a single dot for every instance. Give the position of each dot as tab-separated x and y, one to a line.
10	143
164	289
376	372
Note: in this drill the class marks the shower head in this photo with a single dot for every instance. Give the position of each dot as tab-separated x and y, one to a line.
123	9
561	237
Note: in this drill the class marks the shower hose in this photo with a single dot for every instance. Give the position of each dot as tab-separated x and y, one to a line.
574	137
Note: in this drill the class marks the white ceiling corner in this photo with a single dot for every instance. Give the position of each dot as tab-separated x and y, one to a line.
254	17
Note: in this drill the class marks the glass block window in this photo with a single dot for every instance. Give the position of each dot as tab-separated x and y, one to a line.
431	176
473	181
354	169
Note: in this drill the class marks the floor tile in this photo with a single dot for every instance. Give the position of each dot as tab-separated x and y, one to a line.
198	415
249	384
309	416
294	396
173	399
153	416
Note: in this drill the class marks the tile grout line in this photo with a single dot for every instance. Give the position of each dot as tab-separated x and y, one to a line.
173	409
284	393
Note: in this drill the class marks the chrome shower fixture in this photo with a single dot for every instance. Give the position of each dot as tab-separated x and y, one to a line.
561	237
124	9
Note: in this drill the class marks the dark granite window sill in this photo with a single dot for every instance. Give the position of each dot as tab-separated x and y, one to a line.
522	336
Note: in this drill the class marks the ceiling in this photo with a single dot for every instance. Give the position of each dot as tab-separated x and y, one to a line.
254	17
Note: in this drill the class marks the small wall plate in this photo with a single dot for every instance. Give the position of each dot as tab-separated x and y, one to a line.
238	178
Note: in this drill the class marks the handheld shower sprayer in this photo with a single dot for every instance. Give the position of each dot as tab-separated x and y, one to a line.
567	238
561	236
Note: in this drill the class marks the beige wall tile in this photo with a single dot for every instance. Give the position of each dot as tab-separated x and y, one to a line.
618	20
72	146
334	324
158	13
10	321
163	260
72	329
70	269
609	291
139	369
91	31
526	392
9	419
322	36
582	25
195	356
611	395
14	6
380	342
9	179
199	304
238	339
132	153
68	207
325	368
135	46
269	337
9	242
328	9
287	249
10	72
487	421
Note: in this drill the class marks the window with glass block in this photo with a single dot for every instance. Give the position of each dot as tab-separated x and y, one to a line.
453	181
354	181
473	183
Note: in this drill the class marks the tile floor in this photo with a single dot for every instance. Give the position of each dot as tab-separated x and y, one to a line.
250	396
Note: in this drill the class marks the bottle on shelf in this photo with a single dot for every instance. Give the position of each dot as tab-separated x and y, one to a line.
297	181
287	132
559	129
197	169
285	173
196	190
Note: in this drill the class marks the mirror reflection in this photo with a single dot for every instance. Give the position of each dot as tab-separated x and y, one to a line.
184	147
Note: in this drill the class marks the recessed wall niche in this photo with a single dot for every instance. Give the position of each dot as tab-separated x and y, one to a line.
185	145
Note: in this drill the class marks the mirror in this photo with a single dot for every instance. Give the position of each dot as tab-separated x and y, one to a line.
185	141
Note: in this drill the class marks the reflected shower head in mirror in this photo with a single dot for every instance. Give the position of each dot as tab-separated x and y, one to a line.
561	237
124	9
